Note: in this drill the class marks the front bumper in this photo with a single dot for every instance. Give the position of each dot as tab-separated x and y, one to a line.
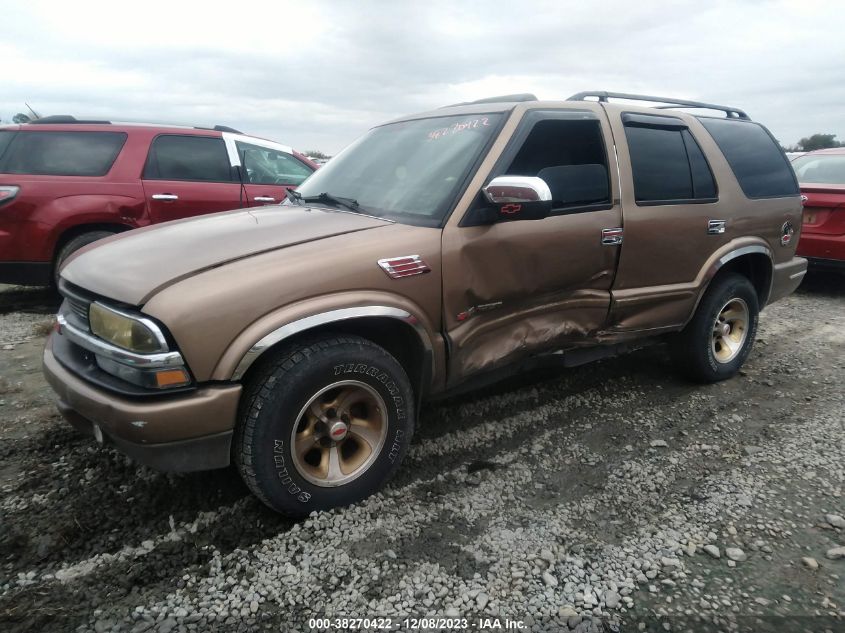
177	433
787	277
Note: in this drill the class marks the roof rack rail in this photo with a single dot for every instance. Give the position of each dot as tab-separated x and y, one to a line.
603	96
226	128
516	98
65	118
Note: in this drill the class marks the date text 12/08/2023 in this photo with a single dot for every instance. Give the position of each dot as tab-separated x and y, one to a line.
416	624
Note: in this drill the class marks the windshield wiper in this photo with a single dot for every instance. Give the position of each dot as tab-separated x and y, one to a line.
294	196
327	198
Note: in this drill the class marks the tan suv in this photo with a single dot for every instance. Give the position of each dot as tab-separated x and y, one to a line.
299	340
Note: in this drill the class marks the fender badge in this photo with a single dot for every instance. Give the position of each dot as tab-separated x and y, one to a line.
786	233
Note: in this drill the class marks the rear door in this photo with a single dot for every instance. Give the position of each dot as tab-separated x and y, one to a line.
673	223
189	175
269	170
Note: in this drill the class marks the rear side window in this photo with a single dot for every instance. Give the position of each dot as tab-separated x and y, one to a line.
195	158
758	163
61	153
266	166
667	164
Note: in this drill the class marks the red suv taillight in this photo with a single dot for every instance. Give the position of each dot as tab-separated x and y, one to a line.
8	193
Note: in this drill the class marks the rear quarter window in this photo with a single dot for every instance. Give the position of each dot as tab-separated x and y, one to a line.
757	161
61	153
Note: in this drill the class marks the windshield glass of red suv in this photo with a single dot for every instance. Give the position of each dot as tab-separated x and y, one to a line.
409	171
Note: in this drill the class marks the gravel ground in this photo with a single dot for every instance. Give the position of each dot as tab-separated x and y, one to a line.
611	497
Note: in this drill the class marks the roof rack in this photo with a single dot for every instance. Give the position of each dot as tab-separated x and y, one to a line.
516	98
67	118
602	96
64	118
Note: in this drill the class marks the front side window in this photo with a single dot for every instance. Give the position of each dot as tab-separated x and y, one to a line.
569	155
266	166
61	153
410	171
827	169
194	158
667	164
757	161
6	137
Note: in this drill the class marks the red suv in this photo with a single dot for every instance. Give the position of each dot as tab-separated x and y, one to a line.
65	183
821	175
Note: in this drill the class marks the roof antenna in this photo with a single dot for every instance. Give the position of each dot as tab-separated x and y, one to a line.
34	113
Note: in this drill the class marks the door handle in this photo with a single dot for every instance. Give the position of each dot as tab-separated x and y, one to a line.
611	237
716	227
165	196
264	199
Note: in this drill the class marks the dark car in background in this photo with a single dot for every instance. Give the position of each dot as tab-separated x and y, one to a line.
65	183
821	176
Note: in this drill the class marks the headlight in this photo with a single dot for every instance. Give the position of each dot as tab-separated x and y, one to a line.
130	333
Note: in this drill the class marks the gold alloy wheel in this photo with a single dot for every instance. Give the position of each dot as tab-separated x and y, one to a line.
730	330
339	433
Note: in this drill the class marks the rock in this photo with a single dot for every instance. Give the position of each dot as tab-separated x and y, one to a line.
835	553
812	563
712	550
550	580
166	626
611	599
101	626
567	611
547	556
762	602
659	444
734	553
751	450
481	600
452	612
835	520
670	562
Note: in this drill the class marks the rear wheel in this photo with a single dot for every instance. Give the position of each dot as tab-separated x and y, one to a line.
324	423
715	344
73	245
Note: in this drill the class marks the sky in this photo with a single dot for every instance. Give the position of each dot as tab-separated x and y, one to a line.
316	75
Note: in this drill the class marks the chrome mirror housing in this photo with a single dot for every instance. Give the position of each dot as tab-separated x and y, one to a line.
517	189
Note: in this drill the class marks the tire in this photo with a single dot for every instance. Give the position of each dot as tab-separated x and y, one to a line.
74	245
706	351
301	396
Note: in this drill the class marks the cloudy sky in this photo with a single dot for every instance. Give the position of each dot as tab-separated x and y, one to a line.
316	75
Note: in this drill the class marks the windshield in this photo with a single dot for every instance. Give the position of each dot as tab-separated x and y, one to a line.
828	169
409	171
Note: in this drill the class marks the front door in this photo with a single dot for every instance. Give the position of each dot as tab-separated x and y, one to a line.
269	172
517	288
189	175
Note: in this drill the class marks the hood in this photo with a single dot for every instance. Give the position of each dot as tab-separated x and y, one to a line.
133	266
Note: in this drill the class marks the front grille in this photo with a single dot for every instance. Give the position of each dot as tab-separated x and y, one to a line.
78	305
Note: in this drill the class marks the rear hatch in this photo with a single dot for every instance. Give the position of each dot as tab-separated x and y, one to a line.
824	209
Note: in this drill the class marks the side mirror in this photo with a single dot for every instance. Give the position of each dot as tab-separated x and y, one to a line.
515	198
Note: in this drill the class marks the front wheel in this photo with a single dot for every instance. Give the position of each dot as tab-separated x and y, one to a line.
715	344
324	423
